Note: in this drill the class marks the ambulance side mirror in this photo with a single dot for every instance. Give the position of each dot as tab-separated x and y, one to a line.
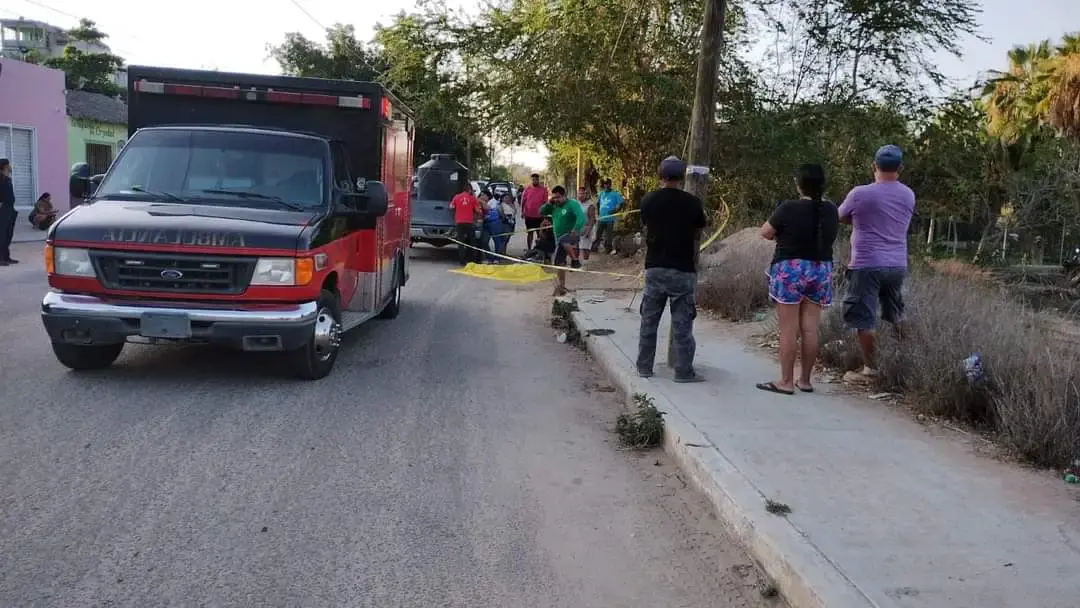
373	201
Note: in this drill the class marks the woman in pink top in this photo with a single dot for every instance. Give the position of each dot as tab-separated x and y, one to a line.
534	197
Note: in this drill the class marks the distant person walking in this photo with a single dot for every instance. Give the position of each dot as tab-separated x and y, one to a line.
673	220
609	202
880	215
534	197
467	211
7	213
800	276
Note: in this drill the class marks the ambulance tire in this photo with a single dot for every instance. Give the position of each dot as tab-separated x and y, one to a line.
314	361
393	308
80	357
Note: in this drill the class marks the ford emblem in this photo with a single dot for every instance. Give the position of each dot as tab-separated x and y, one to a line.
171	274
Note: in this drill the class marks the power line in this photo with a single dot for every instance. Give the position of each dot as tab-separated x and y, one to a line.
354	51
49	8
76	18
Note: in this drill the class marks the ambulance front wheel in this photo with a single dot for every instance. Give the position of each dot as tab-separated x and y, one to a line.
315	360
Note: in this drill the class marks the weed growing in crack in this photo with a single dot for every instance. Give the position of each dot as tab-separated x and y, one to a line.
643	428
777	508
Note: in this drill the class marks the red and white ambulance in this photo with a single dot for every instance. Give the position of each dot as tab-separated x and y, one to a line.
262	213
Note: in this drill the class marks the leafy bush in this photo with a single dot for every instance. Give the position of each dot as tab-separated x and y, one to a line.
643	428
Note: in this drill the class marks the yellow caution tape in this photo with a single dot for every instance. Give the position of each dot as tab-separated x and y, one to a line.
528	271
602	217
538	264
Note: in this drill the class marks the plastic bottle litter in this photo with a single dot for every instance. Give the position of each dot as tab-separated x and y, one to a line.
1072	474
973	369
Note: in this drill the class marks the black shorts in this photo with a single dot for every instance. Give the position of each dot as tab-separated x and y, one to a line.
867	288
532	223
560	249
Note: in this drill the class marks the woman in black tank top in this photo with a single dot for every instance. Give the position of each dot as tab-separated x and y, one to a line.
800	276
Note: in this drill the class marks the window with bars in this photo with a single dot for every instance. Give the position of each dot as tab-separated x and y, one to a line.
99	157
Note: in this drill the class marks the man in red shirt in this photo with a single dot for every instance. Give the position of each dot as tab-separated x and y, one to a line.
467	210
534	197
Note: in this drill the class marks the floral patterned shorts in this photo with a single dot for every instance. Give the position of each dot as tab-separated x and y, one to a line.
792	281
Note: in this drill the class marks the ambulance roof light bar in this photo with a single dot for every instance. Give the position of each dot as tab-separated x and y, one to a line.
161	88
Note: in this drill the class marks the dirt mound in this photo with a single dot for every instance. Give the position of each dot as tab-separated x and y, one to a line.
732	275
744	246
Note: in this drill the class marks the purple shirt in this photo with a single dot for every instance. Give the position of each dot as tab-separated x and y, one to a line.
880	215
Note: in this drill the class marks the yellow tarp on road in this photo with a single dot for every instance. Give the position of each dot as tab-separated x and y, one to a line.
510	273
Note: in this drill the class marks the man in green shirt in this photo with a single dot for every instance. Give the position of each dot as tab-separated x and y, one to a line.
567	220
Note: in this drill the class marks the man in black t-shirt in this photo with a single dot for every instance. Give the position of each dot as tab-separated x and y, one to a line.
673	220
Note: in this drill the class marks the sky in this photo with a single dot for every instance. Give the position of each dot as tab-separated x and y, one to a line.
232	35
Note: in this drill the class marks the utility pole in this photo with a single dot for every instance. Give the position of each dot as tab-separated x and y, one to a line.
577	184
702	121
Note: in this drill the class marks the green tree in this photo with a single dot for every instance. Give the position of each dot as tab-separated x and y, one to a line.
387	60
841	50
342	56
92	72
427	70
617	76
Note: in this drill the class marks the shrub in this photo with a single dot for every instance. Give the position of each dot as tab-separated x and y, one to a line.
1030	393
644	428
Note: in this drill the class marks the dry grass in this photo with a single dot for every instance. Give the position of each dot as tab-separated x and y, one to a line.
1030	393
1029	397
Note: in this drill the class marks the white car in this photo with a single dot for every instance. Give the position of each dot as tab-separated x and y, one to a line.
478	187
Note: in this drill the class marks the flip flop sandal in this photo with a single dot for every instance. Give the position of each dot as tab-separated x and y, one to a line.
770	387
805	389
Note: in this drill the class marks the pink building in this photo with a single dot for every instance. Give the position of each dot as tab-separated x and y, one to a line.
33	131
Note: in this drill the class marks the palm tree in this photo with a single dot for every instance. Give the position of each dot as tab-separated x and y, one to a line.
1063	75
1015	99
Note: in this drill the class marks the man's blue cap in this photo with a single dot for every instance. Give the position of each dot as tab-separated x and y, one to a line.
672	168
889	157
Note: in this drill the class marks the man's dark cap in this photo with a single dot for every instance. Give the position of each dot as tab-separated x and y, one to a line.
672	168
889	157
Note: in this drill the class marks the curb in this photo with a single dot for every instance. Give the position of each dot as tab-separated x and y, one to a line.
803	575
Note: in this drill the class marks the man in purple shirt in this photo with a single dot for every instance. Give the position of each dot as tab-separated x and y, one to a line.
879	214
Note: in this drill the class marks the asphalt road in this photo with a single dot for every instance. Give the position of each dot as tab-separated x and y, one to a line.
458	456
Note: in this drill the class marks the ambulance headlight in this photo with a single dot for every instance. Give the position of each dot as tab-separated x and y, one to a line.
282	272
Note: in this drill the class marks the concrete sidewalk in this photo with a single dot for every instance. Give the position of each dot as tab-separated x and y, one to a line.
884	512
24	232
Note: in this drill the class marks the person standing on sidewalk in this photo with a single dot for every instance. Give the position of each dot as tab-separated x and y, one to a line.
467	210
7	213
800	275
880	215
534	197
609	202
673	220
